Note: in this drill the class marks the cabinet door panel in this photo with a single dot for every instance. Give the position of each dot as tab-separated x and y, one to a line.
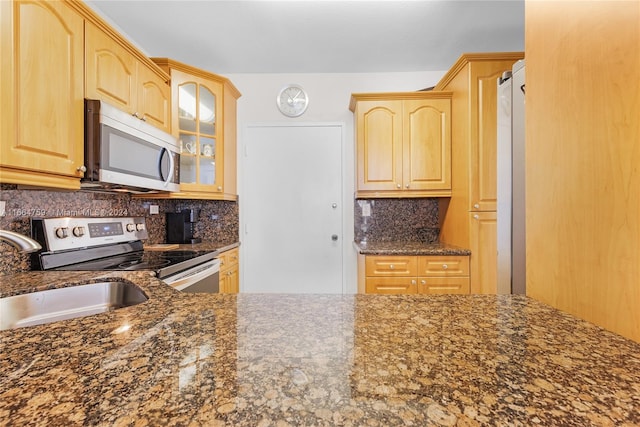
233	281
483	183
197	108
484	255
391	285
42	92
379	145
229	148
427	144
154	99
110	70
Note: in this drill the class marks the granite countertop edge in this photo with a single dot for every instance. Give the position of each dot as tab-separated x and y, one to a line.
409	248
209	246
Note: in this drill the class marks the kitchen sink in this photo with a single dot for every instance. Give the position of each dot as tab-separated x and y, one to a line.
53	305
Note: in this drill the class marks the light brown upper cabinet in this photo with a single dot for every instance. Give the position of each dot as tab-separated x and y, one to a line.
403	144
41	110
203	115
117	76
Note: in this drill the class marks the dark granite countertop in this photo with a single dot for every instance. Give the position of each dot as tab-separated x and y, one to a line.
409	248
220	246
322	360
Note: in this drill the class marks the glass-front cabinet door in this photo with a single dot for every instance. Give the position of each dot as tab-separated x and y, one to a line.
199	132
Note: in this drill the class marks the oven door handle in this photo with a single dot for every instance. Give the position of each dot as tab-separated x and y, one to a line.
194	278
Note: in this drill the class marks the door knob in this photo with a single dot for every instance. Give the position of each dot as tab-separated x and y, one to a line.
334	237
334	205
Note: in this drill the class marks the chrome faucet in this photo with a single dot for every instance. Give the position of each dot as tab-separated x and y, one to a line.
20	242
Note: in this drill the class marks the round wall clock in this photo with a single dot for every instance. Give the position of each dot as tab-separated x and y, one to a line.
292	101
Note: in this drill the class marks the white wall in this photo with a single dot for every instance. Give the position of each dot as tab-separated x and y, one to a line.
329	96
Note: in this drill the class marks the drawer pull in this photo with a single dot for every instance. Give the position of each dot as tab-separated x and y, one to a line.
445	266
391	267
413	282
424	282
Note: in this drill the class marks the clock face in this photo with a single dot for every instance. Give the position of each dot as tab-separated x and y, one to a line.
292	101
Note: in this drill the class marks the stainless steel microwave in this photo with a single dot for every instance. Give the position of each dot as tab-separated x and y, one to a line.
124	153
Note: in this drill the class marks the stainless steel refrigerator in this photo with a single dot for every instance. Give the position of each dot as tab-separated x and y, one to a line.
511	181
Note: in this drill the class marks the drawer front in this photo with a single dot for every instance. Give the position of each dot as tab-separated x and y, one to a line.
391	266
443	266
443	285
229	258
391	285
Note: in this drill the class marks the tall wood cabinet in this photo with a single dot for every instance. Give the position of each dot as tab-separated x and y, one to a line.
117	76
41	106
204	120
403	144
466	216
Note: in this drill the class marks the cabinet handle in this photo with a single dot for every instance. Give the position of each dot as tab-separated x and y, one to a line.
445	266
476	216
219	188
413	282
391	267
398	186
424	282
136	115
406	186
476	205
82	168
143	118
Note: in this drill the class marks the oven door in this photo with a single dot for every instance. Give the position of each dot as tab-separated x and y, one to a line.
203	278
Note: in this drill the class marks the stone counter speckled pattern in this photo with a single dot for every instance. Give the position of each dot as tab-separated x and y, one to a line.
409	248
209	246
314	360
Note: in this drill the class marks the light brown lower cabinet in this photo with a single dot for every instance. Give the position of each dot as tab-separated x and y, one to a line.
229	271
424	274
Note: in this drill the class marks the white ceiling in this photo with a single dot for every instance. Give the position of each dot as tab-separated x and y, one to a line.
311	36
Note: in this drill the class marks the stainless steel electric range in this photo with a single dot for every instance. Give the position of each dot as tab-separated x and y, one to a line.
115	243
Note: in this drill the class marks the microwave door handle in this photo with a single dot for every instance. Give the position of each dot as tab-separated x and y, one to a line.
171	165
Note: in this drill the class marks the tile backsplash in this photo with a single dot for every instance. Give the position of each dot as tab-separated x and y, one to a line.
401	220
219	220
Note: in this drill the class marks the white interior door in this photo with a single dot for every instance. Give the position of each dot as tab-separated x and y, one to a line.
292	209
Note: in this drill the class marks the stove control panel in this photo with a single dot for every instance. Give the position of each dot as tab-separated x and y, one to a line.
61	234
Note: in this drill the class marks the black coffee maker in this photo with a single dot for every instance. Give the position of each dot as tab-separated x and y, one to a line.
181	225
